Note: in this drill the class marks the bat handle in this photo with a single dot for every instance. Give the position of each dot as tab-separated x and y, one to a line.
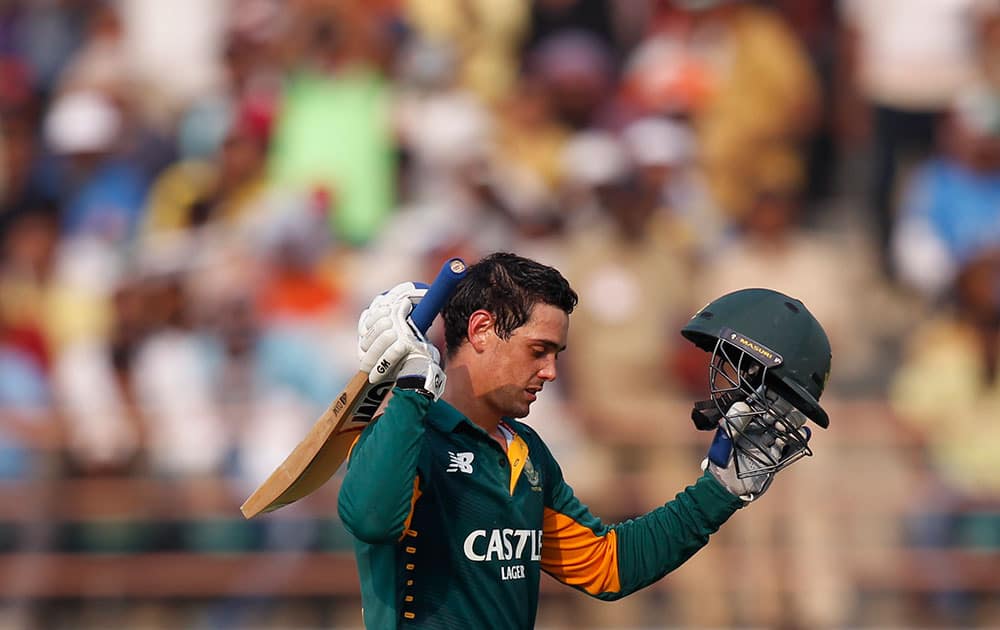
440	290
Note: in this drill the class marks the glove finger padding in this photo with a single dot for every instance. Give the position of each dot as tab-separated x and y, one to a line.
371	347
389	340
384	305
373	322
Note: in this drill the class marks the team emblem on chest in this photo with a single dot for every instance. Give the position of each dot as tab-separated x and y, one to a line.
531	475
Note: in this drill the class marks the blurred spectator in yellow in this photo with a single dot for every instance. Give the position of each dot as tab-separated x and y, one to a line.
530	140
56	309
485	35
948	385
54	291
30	432
949	208
882	97
948	391
743	78
222	191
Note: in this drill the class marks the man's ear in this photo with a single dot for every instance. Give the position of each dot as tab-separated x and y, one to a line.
481	329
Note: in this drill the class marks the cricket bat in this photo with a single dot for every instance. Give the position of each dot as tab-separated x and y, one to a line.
325	447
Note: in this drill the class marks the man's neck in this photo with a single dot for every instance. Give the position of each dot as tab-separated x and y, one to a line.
461	394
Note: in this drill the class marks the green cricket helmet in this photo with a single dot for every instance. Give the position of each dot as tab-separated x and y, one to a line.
769	352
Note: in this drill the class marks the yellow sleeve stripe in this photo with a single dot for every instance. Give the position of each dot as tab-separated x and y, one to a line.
413	503
574	555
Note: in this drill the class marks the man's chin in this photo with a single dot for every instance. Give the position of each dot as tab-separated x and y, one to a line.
521	412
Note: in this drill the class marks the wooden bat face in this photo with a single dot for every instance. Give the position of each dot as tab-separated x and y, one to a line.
321	452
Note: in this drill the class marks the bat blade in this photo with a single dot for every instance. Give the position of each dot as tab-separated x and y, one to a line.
318	456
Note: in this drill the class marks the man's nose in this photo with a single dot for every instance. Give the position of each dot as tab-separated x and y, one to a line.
548	372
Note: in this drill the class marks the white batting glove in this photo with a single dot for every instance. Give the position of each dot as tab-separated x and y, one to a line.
385	334
757	444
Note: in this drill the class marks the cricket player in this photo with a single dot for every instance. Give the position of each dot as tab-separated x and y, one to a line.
456	506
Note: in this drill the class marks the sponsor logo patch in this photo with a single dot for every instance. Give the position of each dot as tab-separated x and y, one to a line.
460	462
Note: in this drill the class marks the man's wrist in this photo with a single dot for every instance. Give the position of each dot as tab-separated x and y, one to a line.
414	383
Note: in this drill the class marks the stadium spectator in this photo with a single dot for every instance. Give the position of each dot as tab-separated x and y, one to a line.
881	99
739	74
947	392
948	211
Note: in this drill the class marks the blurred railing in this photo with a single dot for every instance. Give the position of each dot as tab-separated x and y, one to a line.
80	537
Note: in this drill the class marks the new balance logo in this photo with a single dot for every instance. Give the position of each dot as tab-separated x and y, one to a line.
460	462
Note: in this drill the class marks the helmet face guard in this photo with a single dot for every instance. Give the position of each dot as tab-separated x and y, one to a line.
766	431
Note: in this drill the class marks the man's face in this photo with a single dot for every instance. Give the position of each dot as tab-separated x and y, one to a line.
515	370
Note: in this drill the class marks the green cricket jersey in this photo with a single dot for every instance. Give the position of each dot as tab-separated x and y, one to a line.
451	532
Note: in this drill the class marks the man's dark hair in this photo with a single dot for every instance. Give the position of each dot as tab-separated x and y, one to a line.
508	286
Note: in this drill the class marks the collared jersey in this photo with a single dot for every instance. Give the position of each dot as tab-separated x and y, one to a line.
452	532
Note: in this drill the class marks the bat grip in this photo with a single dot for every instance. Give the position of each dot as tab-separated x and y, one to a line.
438	293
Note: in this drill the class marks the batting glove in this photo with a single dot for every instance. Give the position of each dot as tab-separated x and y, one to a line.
740	468
386	336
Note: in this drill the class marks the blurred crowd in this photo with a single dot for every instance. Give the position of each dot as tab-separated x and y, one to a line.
198	198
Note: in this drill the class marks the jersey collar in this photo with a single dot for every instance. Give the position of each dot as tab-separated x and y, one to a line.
446	418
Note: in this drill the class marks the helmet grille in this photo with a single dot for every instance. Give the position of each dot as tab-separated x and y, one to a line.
736	376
